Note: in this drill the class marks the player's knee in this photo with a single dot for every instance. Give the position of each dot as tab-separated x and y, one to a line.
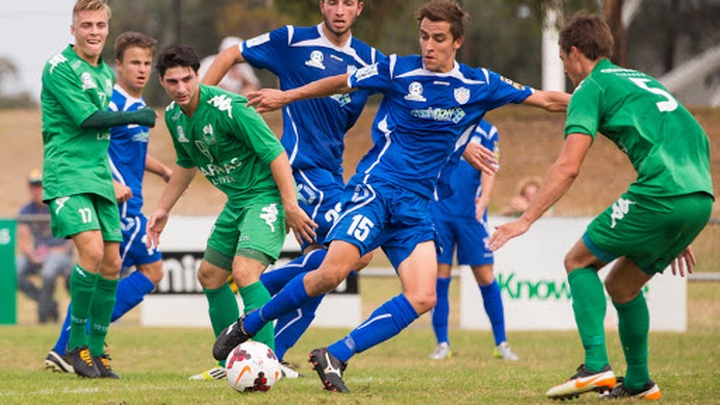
211	278
618	291
422	301
153	271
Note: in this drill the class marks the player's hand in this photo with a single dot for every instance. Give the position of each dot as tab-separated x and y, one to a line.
265	100
504	233
302	226
155	226
481	158
122	192
686	261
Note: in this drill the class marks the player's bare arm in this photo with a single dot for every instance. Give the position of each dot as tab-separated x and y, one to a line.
158	168
221	65
482	202
481	158
272	99
179	182
557	182
553	101
295	218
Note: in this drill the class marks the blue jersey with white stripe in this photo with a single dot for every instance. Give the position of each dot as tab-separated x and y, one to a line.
313	130
426	118
127	152
465	180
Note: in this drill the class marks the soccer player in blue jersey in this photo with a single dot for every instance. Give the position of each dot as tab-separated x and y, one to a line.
128	162
461	221
430	108
314	143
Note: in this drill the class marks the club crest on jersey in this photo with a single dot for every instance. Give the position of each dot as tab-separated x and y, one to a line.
462	95
87	81
316	60
415	91
208	135
181	135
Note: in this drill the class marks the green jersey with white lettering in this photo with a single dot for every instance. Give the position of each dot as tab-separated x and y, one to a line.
229	143
667	147
75	159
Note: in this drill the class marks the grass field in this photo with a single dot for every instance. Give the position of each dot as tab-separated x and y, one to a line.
155	364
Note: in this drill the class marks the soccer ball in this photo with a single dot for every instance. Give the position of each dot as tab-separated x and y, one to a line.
252	366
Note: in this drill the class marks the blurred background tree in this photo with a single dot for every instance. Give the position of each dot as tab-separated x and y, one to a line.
9	97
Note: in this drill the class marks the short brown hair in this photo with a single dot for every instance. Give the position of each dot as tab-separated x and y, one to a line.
444	10
131	39
91	5
589	33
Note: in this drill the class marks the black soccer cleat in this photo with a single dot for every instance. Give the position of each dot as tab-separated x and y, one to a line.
330	369
648	391
58	363
82	362
102	363
229	338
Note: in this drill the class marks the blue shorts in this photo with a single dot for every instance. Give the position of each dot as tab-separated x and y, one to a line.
380	214
319	192
470	237
133	250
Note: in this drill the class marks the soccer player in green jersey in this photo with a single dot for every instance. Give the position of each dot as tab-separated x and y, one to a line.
78	186
214	132
648	228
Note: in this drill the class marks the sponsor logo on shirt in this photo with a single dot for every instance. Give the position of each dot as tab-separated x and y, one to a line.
269	215
220	173
143	136
415	91
181	135
439	114
367	71
342	99
316	60
56	60
619	209
258	40
462	95
87	81
222	103
208	135
512	83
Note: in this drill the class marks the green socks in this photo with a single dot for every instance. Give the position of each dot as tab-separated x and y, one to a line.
101	313
589	307
634	325
254	296
82	290
223	309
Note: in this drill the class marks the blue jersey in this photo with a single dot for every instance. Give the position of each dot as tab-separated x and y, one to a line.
465	180
426	118
127	152
313	130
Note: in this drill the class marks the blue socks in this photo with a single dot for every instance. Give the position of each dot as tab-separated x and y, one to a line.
386	322
494	308
292	296
290	327
442	309
275	280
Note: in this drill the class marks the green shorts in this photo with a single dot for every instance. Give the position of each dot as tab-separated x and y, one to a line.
650	231
246	232
85	212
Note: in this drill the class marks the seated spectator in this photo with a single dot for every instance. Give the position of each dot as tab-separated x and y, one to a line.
39	253
527	190
240	78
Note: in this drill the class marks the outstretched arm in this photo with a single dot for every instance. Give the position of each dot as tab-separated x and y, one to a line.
557	182
272	99
158	168
553	101
221	65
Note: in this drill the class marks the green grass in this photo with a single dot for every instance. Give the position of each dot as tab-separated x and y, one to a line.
155	364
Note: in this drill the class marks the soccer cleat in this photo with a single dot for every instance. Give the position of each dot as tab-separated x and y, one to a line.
288	370
442	351
330	370
57	363
229	338
215	373
503	351
584	381
648	391
102	362
82	362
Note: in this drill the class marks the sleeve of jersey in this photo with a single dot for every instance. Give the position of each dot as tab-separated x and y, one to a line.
262	51
583	113
183	158
505	91
375	77
67	89
249	127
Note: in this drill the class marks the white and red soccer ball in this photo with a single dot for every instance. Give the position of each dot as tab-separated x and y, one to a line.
252	366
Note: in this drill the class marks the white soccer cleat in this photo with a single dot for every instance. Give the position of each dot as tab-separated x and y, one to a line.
215	373
584	381
503	351
288	371
442	351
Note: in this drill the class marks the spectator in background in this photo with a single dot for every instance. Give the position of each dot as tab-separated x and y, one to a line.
527	190
39	252
240	78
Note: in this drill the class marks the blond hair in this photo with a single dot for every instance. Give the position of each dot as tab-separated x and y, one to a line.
90	5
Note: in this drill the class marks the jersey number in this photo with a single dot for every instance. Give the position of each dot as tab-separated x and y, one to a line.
360	227
86	215
670	104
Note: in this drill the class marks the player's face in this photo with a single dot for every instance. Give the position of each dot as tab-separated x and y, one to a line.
572	65
90	29
182	86
134	70
340	15
438	45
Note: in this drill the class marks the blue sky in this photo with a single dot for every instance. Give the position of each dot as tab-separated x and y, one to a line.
30	33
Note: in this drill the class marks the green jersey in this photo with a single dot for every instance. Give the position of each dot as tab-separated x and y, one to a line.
75	159
229	143
667	147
